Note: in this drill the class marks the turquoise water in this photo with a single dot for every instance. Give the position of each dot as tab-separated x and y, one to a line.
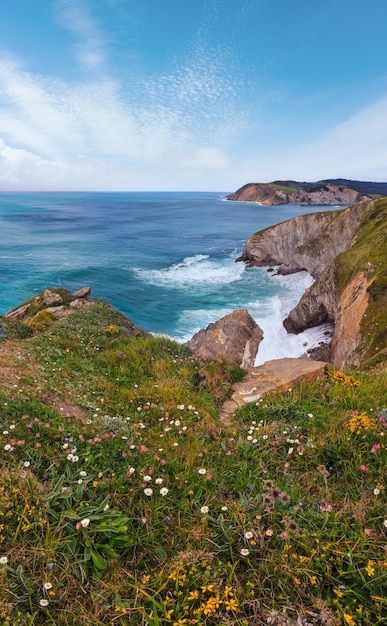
167	260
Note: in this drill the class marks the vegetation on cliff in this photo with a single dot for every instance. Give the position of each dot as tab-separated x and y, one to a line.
124	500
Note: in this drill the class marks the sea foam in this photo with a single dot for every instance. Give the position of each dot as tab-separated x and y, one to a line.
198	270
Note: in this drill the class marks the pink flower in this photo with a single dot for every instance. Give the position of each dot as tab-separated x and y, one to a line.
162	462
375	447
228	452
370	532
326	507
363	468
38	445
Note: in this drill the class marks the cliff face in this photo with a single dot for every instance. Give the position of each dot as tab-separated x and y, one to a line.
302	193
308	242
347	252
352	294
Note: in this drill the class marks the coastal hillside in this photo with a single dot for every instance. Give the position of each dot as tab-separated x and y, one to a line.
325	192
125	499
346	251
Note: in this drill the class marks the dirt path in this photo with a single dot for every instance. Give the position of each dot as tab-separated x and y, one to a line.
277	375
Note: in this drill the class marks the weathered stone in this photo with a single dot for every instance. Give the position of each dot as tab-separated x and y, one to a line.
236	337
79	302
18	313
50	297
59	312
277	375
82	293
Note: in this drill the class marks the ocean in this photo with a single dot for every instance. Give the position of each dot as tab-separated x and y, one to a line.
166	260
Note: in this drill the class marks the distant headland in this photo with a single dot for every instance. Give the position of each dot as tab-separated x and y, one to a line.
334	192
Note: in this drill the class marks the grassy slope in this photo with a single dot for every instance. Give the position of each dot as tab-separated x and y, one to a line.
280	514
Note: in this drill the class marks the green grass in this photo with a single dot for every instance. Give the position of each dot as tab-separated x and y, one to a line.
144	509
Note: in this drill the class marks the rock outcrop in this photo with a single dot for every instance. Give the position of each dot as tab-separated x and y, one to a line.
235	337
277	375
308	242
56	302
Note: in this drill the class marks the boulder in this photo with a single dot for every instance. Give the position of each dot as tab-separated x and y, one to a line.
81	293
50	297
235	337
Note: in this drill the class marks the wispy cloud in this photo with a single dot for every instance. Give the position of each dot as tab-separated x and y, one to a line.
75	16
181	119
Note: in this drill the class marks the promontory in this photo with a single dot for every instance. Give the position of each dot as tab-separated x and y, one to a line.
338	191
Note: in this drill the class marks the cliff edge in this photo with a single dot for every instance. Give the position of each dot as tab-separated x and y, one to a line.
346	252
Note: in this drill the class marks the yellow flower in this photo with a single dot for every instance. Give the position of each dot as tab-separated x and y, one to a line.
232	605
313	580
145	579
349	619
370	568
193	595
338	593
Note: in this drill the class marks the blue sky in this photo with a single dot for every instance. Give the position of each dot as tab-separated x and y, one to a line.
190	94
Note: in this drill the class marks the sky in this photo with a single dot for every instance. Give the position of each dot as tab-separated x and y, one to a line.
196	95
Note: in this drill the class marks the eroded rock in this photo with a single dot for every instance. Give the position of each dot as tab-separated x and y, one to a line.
236	337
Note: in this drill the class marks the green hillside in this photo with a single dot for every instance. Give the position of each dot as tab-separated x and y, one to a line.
124	499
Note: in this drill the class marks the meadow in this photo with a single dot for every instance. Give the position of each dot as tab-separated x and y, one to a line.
125	501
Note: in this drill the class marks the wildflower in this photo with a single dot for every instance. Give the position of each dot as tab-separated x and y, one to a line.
159	481
85	522
193	595
370	569
202	471
204	509
147	478
248	534
148	491
163	491
385	523
43	602
245	552
231	605
83	474
349	619
376	491
3	560
269	532
47	586
225	508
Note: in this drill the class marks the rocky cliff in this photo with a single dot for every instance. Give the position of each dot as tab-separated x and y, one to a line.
291	192
308	242
346	251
